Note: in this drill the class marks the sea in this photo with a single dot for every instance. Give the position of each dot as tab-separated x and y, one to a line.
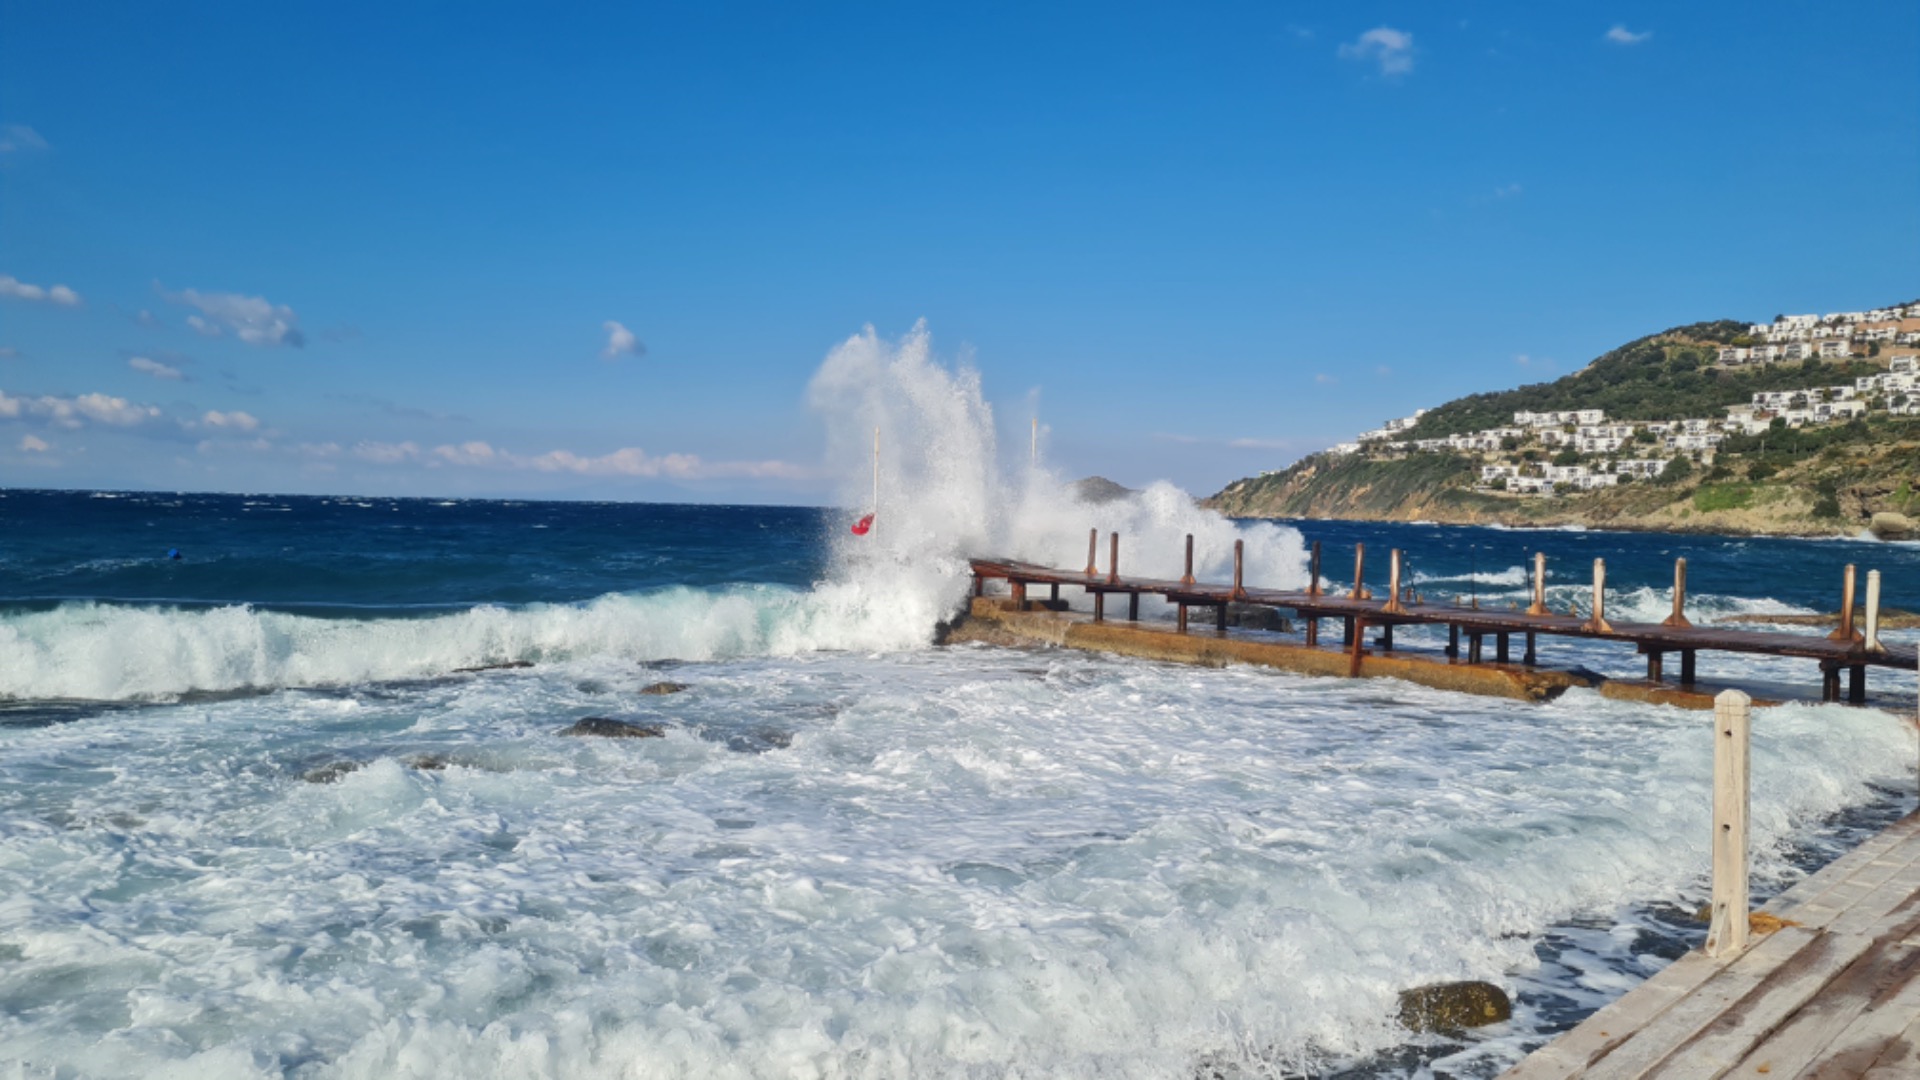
295	803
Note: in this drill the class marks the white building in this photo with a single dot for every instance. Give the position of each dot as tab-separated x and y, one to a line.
1642	468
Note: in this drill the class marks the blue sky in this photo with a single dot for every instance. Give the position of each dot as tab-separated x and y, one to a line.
303	247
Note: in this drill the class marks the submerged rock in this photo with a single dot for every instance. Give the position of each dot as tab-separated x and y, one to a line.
1453	1006
505	665
664	688
1257	617
603	727
330	772
760	740
426	762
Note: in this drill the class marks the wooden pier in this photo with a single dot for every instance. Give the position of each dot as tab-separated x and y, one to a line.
1847	649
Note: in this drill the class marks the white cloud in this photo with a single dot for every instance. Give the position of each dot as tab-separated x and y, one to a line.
20	139
253	319
385	453
467	453
620	342
1391	49
13	287
1620	35
155	368
628	461
230	421
75	411
318	450
32	445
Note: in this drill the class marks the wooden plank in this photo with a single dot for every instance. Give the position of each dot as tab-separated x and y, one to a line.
1615	1022
1853	1020
1784	992
1900	1060
1687	1017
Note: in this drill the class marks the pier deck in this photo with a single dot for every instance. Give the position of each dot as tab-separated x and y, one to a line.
1833	992
1849	654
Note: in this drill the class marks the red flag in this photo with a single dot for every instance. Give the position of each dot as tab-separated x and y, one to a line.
860	527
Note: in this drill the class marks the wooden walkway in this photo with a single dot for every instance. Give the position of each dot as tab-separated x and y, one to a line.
1833	992
1359	610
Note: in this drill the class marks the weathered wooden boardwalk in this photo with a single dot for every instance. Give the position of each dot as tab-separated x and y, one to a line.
1833	992
1847	650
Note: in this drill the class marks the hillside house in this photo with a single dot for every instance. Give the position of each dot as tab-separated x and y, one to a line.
1641	468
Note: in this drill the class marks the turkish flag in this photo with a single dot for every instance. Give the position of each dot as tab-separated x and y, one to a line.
860	527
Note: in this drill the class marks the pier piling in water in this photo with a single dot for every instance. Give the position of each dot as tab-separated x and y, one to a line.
1679	617
1393	605
1539	606
1598	623
1359	572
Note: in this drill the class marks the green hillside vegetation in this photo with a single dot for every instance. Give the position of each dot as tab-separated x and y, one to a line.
1663	376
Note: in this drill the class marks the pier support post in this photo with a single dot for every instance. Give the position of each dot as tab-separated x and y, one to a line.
1453	639
1018	590
979	585
1220	618
1532	657
1829	681
1359	572
1099	607
1386	637
1239	561
1093	549
1313	571
1133	607
1872	642
1732	727
1857	684
1473	648
1393	584
1183	618
1187	578
1598	623
1846	632
1656	661
1346	632
1313	631
1539	606
1113	558
1678	619
1359	638
1686	667
1054	594
1500	648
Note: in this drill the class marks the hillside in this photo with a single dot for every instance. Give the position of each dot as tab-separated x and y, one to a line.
1773	469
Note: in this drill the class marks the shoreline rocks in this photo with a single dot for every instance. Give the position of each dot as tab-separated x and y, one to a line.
604	727
660	688
1453	1006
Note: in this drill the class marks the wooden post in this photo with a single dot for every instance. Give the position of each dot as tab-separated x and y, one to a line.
1054	593
1453	639
1846	632
1346	633
1393	584
1220	618
1239	558
1359	571
1532	656
1473	648
1313	631
1686	667
1018	589
1656	661
1873	612
1359	638
1539	606
1386	637
1598	623
1500	647
1732	724
1313	571
1113	558
1133	607
1187	578
1183	617
1678	619
1099	607
979	585
1857	684
1093	549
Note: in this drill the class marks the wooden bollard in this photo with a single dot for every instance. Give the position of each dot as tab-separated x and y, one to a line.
1239	560
1359	571
1873	612
1732	734
1113	558
1678	619
1846	631
1313	570
1093	549
1598	623
1187	578
1393	584
1539	606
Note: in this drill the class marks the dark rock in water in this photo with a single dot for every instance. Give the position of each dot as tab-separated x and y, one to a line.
426	762
664	688
329	772
1453	1006
507	665
1257	617
1095	490
1891	526
760	740
607	728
